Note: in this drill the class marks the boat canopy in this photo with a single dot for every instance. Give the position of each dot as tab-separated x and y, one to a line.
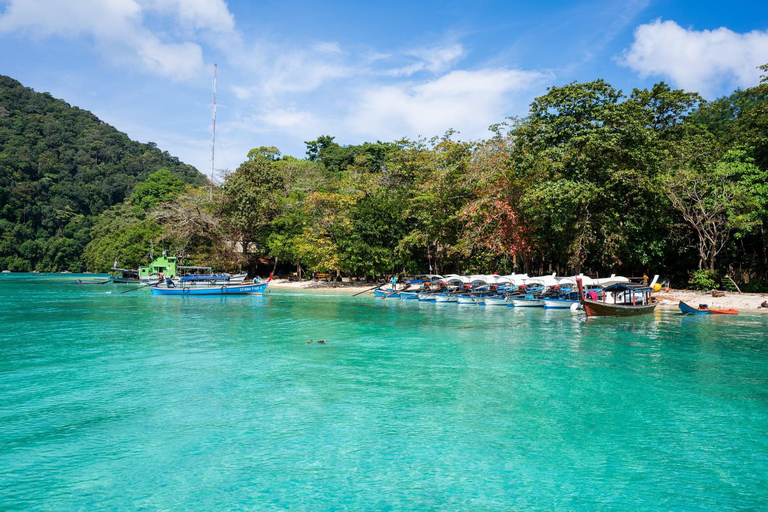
543	280
516	279
420	278
192	277
624	287
607	281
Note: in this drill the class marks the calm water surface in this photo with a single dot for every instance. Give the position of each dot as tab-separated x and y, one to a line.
128	401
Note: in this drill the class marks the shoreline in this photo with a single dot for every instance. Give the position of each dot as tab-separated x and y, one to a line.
731	300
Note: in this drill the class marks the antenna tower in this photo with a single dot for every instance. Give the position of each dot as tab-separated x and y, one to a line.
213	124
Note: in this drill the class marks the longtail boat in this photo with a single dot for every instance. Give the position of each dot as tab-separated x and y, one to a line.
125	276
703	309
255	288
628	300
92	281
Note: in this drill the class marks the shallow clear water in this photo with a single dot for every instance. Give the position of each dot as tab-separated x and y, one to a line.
125	401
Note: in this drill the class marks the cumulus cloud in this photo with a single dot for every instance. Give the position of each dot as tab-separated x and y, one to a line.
275	70
710	62
468	101
119	29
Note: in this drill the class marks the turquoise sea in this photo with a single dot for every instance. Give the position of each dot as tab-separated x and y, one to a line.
127	401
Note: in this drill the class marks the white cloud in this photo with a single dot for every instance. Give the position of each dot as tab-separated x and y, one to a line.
468	101
435	59
710	62
119	29
290	121
273	70
200	14
440	58
41	18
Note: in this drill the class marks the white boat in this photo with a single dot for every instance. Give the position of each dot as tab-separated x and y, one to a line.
527	303
559	303
445	298
466	299
496	301
427	297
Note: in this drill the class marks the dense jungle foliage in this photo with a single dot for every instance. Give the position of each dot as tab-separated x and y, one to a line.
60	168
591	180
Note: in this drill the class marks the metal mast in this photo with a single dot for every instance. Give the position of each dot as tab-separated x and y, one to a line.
213	124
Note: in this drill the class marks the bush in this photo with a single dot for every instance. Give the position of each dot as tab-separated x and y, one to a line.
755	286
703	280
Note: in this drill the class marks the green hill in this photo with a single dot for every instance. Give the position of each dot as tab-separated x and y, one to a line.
60	167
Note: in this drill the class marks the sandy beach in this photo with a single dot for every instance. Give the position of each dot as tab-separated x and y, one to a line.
731	300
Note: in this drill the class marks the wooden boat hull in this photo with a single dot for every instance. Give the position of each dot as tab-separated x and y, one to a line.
594	308
192	291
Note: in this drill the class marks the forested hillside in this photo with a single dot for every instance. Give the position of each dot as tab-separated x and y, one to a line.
60	167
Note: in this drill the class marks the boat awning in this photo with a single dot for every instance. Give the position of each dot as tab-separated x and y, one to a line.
204	278
624	287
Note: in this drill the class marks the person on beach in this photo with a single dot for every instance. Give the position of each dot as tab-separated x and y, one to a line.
393	281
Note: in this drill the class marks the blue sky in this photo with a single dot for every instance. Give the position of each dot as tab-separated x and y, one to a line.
289	71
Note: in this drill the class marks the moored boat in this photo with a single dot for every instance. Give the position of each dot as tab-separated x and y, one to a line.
255	288
92	281
384	293
704	309
628	300
557	303
496	300
125	276
528	301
